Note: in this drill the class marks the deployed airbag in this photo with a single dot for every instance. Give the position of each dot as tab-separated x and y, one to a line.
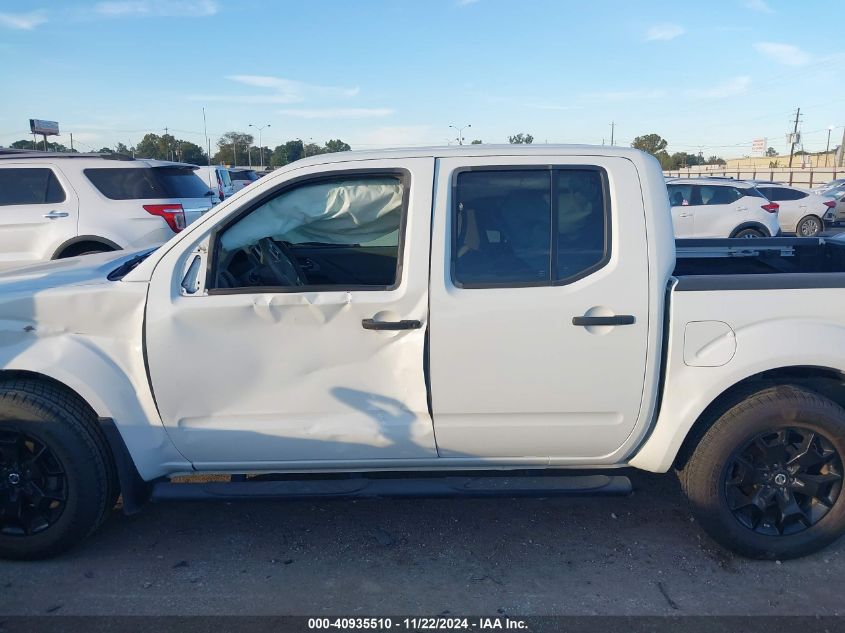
353	211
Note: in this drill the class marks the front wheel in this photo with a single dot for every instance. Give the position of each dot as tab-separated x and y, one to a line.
766	478
57	480
809	227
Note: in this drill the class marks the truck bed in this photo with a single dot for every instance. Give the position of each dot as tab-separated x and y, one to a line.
725	264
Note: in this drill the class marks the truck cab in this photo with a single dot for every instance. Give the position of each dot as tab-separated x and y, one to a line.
447	310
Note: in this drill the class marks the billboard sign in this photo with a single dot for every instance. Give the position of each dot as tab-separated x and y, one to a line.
758	146
47	128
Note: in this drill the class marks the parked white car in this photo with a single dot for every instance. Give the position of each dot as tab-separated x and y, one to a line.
242	177
453	317
801	212
720	207
55	205
217	178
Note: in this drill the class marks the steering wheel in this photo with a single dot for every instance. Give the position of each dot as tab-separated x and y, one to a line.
281	262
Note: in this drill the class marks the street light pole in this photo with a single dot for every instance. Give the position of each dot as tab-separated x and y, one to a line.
460	131
827	149
260	146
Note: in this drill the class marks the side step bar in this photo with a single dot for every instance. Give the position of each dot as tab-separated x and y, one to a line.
444	486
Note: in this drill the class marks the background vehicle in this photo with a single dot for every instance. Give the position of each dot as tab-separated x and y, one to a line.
242	177
831	188
464	309
62	205
720	207
218	180
800	212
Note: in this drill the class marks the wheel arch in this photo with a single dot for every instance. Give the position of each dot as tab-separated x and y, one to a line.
79	240
752	225
821	380
674	451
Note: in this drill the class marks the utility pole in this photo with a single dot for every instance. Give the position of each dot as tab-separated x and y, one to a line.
612	132
207	142
794	137
71	140
826	149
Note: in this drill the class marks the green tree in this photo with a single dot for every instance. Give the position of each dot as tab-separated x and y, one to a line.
192	153
336	145
771	152
521	139
39	145
651	143
479	142
716	160
232	148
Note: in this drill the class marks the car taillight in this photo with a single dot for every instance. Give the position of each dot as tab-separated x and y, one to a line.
830	204
173	214
772	207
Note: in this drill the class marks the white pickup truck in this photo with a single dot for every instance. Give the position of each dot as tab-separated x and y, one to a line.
454	321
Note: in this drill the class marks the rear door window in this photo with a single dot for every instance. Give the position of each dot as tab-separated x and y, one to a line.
142	183
25	185
785	194
680	195
714	194
528	227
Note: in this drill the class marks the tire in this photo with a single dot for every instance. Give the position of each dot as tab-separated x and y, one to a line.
809	226
75	470
746	233
722	488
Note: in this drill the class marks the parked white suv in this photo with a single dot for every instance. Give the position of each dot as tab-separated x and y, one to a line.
801	212
58	205
242	177
218	179
715	207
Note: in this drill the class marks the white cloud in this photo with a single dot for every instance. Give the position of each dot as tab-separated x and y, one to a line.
664	32
23	21
758	5
729	88
543	105
169	8
277	90
785	54
625	95
337	113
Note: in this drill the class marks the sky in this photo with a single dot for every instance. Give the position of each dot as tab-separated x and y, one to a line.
708	76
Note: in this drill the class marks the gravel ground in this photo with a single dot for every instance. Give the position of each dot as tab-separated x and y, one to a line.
640	555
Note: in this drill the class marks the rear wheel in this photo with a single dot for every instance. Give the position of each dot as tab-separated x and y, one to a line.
766	479
747	233
57	480
809	226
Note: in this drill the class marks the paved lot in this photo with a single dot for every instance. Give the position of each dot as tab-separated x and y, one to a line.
637	555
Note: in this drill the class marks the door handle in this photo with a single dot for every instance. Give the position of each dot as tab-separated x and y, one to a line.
56	214
619	319
406	324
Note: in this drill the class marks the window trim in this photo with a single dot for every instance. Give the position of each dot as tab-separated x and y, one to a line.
214	242
553	250
52	175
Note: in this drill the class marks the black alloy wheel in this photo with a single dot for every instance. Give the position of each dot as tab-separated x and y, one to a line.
783	481
33	484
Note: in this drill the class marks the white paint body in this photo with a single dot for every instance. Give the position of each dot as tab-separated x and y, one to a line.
796	204
288	381
692	219
31	233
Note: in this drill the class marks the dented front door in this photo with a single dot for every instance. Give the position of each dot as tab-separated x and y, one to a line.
263	378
